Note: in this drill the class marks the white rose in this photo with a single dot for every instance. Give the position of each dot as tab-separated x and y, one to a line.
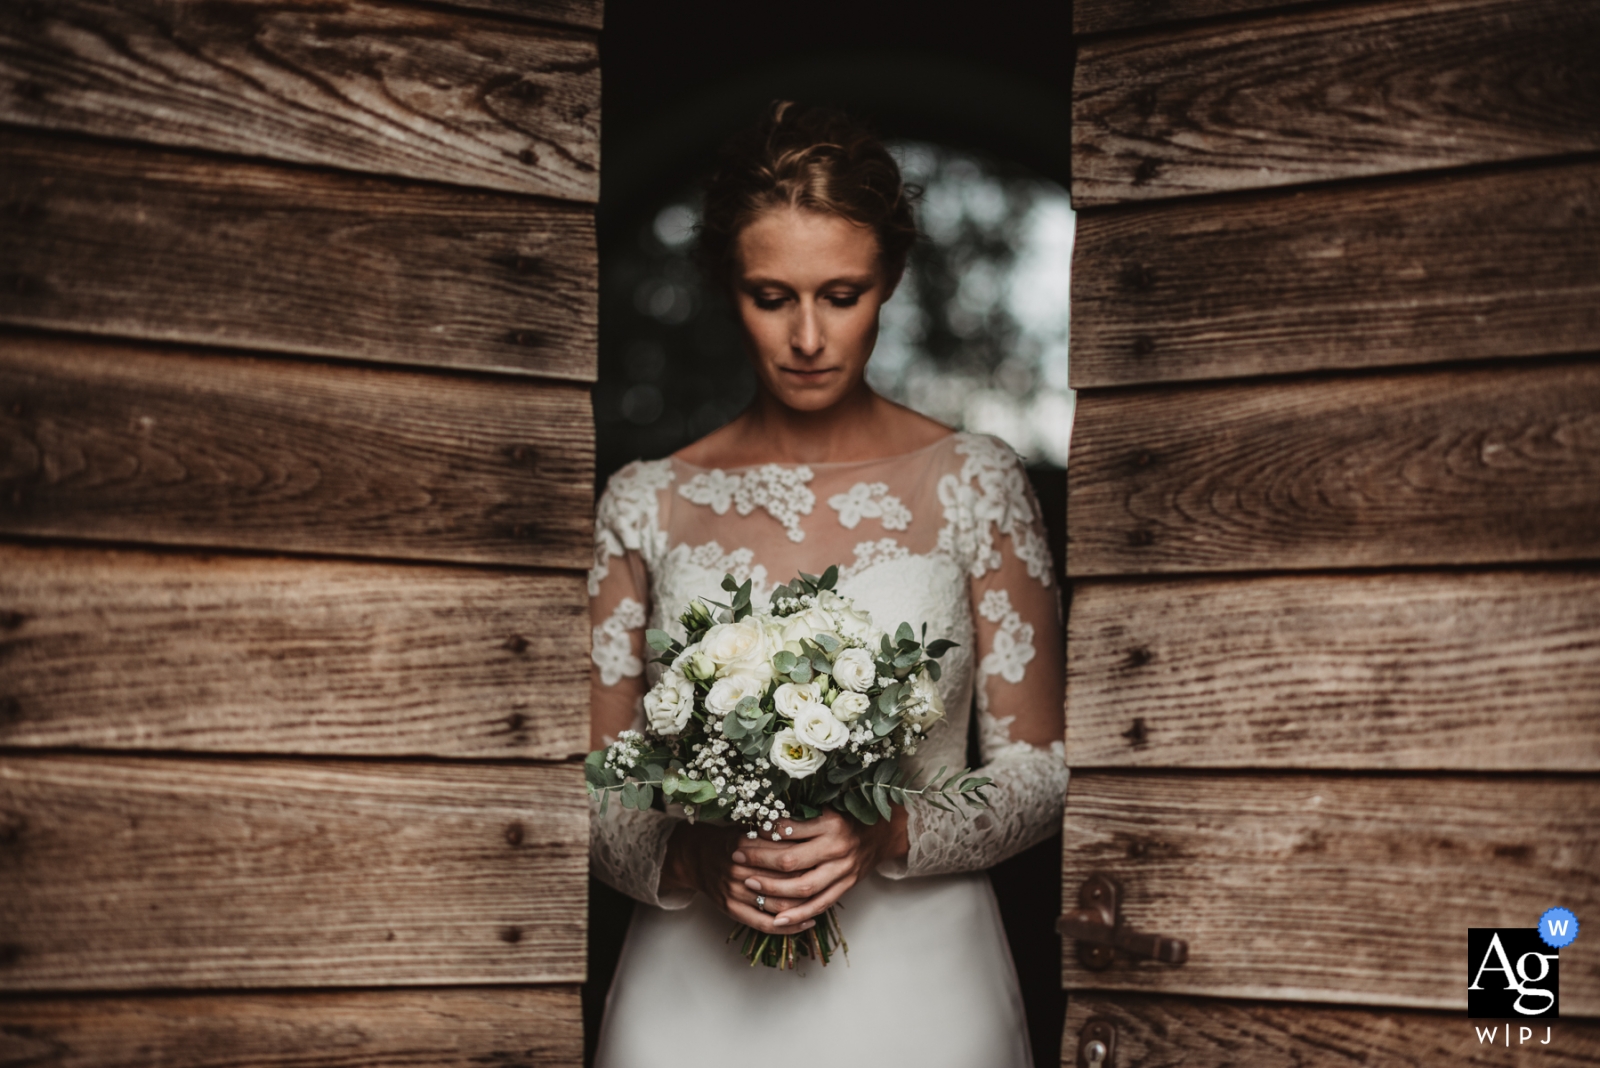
816	727
694	663
741	648
848	706
726	693
854	670
851	621
670	703
807	625
791	697
794	756
927	707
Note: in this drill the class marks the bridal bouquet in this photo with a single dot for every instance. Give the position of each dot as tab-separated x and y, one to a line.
763	716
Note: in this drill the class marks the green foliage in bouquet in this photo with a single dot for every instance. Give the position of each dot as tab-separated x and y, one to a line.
759	717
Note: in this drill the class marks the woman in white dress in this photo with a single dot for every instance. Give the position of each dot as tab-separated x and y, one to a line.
807	226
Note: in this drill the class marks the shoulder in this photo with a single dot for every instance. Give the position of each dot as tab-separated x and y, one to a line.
985	493
629	509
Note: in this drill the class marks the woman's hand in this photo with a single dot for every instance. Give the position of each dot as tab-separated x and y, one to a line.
814	864
700	857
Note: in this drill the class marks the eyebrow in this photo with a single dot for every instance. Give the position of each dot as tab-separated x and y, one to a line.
864	281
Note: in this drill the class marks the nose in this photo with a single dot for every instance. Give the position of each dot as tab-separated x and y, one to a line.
807	337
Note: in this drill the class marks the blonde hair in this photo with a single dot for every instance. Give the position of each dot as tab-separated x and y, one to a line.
815	159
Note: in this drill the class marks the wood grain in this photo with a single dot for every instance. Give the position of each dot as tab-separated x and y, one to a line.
1443	467
389	1029
1497	670
1165	1032
589	14
1336	888
1458	267
1351	92
156	245
124	873
339	83
127	650
1101	16
115	443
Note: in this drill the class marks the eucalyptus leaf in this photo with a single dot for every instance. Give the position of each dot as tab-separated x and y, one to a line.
801	672
939	646
905	634
828	643
630	795
829	577
880	797
783	662
860	809
647	796
659	640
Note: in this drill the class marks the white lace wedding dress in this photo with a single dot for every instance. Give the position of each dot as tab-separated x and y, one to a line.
948	535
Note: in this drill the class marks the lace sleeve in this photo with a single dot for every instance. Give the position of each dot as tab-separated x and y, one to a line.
626	847
1018	687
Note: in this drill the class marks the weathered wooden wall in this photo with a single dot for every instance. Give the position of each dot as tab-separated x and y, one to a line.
1334	654
297	312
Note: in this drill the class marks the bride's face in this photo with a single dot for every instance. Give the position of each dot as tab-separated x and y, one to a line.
808	286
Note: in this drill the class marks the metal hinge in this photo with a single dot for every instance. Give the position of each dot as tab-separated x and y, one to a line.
1097	926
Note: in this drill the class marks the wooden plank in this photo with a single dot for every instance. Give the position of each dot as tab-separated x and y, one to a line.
1439	467
1345	93
1401	272
126	650
1154	1030
126	873
1488	671
1347	889
115	443
347	84
156	245
421	1028
1102	16
589	14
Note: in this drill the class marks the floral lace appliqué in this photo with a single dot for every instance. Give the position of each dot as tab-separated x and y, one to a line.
873	553
710	557
990	493
870	500
1011	649
629	517
780	491
613	652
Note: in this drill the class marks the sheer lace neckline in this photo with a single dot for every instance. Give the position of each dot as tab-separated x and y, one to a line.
827	465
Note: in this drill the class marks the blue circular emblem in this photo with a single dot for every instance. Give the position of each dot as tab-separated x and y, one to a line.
1558	927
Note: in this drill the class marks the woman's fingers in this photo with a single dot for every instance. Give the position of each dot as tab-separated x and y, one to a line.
802	914
767	903
761	921
806	885
796	857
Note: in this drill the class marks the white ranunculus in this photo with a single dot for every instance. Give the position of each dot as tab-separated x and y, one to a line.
854	670
816	727
848	706
926	706
741	648
793	696
851	621
726	693
807	625
795	757
670	703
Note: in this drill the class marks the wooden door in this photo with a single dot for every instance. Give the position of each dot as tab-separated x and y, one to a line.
297	312
1333	521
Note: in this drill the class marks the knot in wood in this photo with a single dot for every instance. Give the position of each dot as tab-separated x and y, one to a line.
516	644
511	935
1137	734
513	833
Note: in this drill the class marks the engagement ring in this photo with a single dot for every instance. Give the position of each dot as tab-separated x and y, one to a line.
761	903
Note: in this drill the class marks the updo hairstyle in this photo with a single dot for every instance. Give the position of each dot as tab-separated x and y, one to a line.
812	158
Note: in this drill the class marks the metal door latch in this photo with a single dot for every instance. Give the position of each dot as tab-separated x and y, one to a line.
1097	1043
1097	926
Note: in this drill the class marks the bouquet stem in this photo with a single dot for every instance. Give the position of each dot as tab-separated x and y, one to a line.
784	951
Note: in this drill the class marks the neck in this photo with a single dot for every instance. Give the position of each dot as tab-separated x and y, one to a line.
847	431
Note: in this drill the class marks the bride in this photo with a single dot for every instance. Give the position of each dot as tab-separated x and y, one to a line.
806	226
